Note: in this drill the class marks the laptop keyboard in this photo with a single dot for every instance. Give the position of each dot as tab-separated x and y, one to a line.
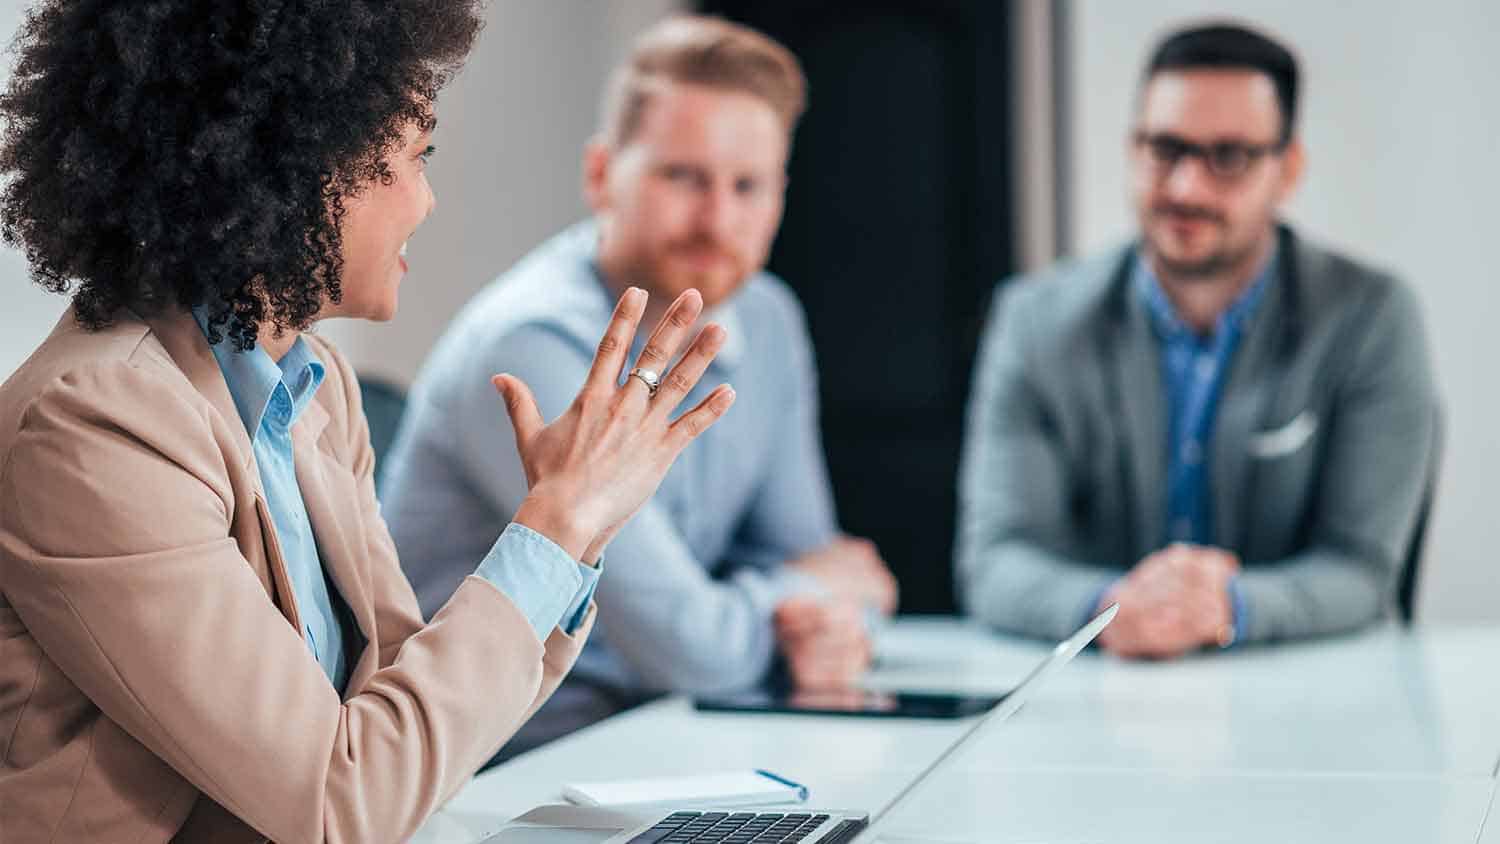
742	828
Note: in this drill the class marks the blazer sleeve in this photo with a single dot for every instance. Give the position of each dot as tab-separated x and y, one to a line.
398	616
1377	467
1013	507
117	555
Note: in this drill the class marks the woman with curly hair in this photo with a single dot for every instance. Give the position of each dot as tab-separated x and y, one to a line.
205	634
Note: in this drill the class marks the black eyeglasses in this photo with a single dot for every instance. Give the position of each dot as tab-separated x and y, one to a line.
1225	160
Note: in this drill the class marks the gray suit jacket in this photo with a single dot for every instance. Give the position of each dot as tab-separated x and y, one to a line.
1320	455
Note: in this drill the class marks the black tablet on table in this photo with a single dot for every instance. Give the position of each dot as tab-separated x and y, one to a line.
855	702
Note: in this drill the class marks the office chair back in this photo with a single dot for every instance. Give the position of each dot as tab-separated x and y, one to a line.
1406	586
384	403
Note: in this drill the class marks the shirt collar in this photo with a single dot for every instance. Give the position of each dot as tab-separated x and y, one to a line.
1164	316
259	384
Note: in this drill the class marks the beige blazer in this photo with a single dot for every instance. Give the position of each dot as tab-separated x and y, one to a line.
154	685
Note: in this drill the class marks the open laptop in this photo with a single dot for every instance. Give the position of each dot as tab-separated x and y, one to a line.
589	825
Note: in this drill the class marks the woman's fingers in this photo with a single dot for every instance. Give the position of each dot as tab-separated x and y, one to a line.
685	375
668	337
525	417
614	346
608	452
689	425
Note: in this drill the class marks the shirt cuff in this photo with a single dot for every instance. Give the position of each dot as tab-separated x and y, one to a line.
573	615
537	576
1239	612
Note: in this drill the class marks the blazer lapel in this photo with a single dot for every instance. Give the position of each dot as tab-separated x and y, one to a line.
183	340
1139	396
180	335
1245	399
278	583
331	498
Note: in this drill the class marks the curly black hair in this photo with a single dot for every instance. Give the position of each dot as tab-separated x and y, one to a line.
163	153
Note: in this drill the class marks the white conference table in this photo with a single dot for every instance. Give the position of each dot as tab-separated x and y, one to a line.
1391	735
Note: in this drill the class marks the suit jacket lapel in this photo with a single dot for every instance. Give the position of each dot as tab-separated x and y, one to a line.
180	335
331	498
273	574
328	491
1246	398
1140	396
183	340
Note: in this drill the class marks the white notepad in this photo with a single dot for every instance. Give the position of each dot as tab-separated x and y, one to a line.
735	788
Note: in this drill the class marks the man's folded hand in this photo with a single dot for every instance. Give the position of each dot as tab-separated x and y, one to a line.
825	642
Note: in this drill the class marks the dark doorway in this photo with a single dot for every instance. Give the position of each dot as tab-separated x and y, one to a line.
896	230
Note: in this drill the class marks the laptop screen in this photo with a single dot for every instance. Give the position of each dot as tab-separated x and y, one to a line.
1058	657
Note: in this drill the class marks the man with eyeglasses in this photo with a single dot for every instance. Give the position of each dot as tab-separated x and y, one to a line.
1222	426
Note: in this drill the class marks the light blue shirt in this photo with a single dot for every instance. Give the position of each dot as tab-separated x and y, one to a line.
1194	369
270	396
537	575
697	573
550	588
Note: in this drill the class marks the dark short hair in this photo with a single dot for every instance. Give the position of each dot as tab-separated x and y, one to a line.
1232	46
185	153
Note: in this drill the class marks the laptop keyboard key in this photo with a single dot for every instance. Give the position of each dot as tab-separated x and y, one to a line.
739	828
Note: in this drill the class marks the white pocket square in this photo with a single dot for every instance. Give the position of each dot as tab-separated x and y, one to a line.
1279	442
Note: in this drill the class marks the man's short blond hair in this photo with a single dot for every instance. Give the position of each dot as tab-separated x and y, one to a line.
700	50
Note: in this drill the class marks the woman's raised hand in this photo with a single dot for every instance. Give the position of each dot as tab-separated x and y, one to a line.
595	465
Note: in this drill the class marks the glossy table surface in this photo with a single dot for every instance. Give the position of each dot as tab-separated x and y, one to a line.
1388	735
1491	832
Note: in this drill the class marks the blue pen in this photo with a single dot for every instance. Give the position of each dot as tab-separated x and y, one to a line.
801	789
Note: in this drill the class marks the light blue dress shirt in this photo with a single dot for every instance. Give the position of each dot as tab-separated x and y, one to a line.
553	594
1194	369
531	570
270	396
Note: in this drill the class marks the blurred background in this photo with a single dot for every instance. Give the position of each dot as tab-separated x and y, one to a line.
949	145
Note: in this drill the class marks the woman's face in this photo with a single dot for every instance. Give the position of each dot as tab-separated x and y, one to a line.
377	223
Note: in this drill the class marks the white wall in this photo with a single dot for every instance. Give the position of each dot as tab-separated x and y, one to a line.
506	175
27	312
1401	116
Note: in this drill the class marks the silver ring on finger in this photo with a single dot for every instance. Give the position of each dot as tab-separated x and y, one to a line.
650	377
